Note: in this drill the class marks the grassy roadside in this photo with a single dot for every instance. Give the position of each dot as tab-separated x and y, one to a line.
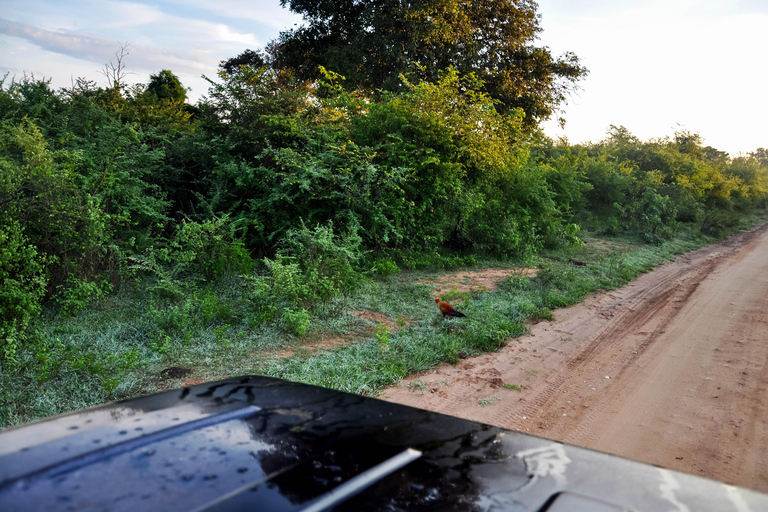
134	342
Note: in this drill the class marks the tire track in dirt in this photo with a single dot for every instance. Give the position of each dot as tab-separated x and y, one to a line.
649	305
590	420
702	407
652	338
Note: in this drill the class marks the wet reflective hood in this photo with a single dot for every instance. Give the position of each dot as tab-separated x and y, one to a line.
256	443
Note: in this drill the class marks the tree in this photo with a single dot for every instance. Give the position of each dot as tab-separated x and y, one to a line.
372	42
254	59
762	156
115	72
167	86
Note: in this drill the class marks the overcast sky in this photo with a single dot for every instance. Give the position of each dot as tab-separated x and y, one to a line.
656	66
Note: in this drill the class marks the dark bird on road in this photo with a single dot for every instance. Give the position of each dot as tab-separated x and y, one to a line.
447	309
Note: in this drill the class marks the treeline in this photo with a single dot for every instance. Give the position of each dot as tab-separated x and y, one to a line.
303	186
650	188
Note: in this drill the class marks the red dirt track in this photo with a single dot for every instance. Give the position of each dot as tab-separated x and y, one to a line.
669	370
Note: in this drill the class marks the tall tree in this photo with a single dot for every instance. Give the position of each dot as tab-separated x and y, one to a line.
255	59
371	42
762	156
167	86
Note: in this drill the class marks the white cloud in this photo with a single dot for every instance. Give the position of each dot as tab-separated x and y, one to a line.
216	34
164	34
99	50
268	13
72	44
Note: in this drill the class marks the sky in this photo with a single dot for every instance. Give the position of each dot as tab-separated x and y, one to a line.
656	66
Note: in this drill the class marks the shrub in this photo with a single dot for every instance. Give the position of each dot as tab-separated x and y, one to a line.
258	295
315	265
22	287
213	246
197	251
173	317
385	267
653	216
75	294
296	321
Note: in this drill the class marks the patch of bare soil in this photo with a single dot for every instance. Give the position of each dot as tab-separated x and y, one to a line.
377	318
670	370
335	341
474	281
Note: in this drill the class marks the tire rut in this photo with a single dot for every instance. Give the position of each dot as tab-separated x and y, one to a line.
655	304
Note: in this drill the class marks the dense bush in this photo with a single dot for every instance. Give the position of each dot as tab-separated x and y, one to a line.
648	189
289	183
22	286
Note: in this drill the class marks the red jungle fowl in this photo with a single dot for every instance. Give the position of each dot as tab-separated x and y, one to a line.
447	309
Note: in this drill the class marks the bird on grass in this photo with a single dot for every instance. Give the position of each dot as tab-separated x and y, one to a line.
447	309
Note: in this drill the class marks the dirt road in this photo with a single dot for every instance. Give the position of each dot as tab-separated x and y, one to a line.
669	370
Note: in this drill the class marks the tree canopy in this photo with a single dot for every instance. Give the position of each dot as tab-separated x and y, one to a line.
167	86
373	42
249	57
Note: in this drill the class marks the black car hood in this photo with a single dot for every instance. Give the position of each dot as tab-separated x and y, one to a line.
257	443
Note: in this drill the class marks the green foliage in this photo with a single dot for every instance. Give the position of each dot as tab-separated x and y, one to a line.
251	58
53	359
653	216
255	109
649	189
174	317
433	259
23	282
382	336
74	294
167	86
490	330
212	246
315	265
312	267
76	180
296	321
451	147
155	112
161	342
220	339
385	267
373	43
718	223
44	199
431	166
258	294
204	249
258	213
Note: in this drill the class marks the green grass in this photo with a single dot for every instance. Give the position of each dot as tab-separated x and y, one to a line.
118	346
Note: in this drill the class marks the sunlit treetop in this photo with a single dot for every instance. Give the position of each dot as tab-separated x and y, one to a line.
372	42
